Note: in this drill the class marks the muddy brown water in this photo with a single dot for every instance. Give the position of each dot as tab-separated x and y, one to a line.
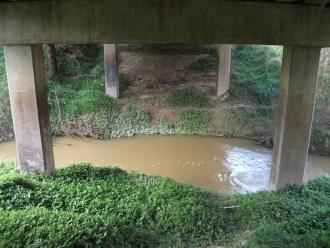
220	164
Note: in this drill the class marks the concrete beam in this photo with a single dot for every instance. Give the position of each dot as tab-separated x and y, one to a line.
111	70
223	74
28	99
163	21
295	114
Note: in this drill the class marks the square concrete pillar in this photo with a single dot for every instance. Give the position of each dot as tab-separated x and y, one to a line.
223	74
28	99
111	70
295	114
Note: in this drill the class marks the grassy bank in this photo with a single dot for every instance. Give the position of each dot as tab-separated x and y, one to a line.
84	206
79	106
255	79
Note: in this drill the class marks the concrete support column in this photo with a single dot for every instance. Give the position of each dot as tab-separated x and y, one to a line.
223	74
295	114
28	98
111	70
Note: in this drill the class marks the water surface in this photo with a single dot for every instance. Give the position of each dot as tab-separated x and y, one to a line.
221	164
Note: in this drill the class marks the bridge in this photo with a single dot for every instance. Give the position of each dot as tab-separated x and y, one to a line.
302	27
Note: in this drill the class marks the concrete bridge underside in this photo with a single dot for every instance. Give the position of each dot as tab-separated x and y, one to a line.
302	29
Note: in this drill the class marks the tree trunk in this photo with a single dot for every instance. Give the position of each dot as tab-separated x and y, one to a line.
52	60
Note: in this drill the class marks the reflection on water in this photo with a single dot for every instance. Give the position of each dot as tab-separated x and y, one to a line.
249	167
224	165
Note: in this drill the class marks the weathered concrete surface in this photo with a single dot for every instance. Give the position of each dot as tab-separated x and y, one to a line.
223	74
111	70
163	21
28	98
295	113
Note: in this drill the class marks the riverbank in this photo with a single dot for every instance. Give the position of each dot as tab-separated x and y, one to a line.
224	165
166	92
84	206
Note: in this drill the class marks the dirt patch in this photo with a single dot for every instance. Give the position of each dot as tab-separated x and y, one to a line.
150	72
152	76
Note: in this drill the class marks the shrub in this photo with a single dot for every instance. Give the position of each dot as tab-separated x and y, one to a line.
187	97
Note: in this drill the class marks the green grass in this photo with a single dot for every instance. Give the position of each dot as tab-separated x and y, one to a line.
296	232
79	106
93	207
84	206
194	121
165	126
250	118
89	112
84	111
256	73
187	97
297	216
131	121
90	101
76	60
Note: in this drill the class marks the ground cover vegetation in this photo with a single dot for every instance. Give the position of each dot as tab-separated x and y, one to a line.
79	106
85	206
255	79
